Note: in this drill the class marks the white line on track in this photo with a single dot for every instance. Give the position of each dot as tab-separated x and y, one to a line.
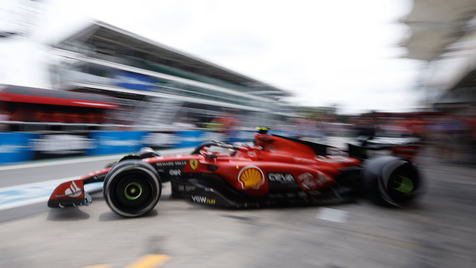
85	159
27	194
32	193
59	162
329	214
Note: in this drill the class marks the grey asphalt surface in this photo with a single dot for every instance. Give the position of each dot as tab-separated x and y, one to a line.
439	232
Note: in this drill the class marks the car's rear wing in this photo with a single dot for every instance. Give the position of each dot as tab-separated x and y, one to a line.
365	147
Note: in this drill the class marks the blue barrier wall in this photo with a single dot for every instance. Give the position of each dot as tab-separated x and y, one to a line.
16	147
116	142
22	147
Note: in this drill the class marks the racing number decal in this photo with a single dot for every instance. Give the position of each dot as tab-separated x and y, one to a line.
251	177
194	164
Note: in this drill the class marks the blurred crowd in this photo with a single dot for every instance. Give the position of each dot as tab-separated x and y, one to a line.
447	136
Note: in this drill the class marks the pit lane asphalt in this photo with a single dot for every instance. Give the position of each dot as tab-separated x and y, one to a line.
438	233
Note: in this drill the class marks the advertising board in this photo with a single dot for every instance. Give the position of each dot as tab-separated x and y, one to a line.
135	81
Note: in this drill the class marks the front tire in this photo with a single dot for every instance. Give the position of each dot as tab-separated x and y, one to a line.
132	188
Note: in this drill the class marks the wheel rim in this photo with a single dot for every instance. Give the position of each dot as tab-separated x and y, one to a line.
405	185
133	191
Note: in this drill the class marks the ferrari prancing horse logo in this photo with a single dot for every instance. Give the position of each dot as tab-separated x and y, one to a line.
193	164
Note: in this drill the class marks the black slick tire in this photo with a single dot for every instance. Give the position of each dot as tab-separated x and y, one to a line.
132	188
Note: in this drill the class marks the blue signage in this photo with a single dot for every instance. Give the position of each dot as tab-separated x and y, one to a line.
241	136
15	147
135	81
116	142
189	138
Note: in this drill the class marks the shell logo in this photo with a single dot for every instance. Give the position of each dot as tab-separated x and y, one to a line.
251	177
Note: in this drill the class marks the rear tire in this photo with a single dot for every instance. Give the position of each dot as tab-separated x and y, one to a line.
392	181
132	188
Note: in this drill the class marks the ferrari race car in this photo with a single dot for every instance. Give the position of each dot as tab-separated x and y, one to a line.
275	171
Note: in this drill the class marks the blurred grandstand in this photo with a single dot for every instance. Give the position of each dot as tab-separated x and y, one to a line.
160	88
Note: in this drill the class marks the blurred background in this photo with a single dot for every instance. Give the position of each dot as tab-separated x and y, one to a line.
109	76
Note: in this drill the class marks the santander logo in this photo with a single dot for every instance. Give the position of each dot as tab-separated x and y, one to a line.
73	190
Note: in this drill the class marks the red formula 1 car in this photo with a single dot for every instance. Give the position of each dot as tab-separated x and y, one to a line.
275	171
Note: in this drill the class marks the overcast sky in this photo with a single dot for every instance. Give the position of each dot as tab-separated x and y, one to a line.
326	52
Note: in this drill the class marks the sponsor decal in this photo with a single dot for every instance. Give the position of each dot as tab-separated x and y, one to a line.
175	172
203	199
282	178
308	181
171	163
186	188
251	177
332	151
252	154
335	159
73	190
275	195
194	164
322	179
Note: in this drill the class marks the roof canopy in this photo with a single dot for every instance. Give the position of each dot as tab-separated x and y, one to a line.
435	24
55	97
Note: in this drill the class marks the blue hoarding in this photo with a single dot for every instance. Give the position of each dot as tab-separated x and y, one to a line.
15	147
116	142
135	81
22	147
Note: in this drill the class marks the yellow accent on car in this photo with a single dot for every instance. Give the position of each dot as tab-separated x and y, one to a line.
406	185
194	164
251	177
